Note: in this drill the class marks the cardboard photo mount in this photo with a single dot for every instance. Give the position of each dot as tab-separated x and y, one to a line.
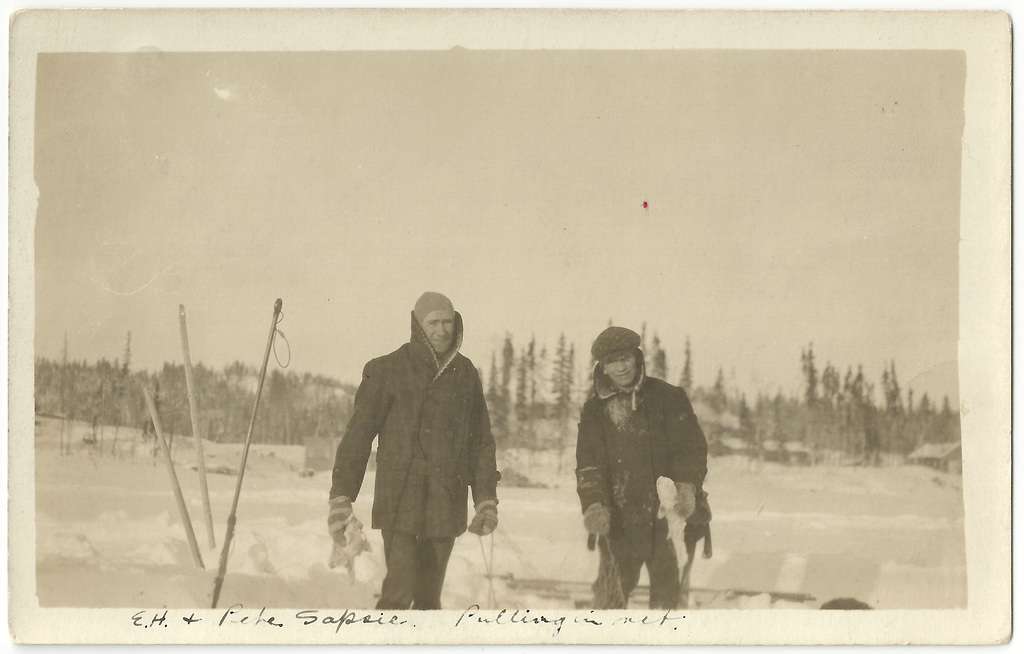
984	294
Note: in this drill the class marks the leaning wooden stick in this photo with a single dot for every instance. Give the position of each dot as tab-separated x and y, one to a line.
226	546
193	405
192	544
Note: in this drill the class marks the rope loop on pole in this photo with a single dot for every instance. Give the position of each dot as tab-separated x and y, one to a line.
285	339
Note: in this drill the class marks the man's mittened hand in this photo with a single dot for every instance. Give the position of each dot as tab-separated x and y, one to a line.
339	515
486	519
686	502
597	519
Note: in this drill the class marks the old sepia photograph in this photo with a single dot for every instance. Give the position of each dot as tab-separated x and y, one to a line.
494	327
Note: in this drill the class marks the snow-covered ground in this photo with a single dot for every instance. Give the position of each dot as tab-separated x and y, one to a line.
108	533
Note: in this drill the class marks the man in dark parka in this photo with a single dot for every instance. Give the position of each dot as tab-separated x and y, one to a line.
424	404
633	430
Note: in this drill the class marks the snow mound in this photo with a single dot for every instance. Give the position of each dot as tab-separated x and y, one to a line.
464	583
69	547
162	553
788	605
761	601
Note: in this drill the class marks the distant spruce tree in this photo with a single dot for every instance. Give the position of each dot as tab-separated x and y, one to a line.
948	428
570	377
531	374
891	390
507	364
120	392
686	380
659	363
810	376
558	375
717	398
498	415
747	426
522	406
65	404
895	428
924	407
831	385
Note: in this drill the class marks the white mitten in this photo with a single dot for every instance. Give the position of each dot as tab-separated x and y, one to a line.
686	499
354	544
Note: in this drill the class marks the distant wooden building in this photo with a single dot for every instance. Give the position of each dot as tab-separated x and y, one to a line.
729	445
797	454
771	450
941	456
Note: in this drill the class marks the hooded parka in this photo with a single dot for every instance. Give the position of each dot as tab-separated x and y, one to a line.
433	436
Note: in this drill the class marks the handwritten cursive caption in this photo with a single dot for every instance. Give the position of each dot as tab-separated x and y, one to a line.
237	615
471	618
506	617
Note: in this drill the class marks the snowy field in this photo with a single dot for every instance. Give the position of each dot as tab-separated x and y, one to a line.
108	534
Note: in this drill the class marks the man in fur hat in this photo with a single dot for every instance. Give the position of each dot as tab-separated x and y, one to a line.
424	404
634	430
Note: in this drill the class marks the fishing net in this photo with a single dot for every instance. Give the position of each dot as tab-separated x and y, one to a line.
608	587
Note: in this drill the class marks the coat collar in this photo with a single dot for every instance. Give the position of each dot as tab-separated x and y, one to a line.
423	352
604	387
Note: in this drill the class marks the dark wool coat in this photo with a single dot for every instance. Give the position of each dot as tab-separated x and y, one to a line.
433	435
621	452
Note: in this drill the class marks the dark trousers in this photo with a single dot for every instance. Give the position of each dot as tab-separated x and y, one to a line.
416	568
662	568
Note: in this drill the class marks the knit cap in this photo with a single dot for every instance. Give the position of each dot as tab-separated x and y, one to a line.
431	301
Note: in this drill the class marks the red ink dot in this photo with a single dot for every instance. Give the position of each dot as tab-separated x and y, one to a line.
645	204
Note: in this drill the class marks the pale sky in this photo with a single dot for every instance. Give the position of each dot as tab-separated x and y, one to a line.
793	196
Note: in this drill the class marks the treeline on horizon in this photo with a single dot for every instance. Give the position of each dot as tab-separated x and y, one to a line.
109	394
534	401
533	396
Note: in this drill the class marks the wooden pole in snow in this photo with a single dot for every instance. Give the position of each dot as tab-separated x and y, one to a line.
192	544
193	405
225	549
